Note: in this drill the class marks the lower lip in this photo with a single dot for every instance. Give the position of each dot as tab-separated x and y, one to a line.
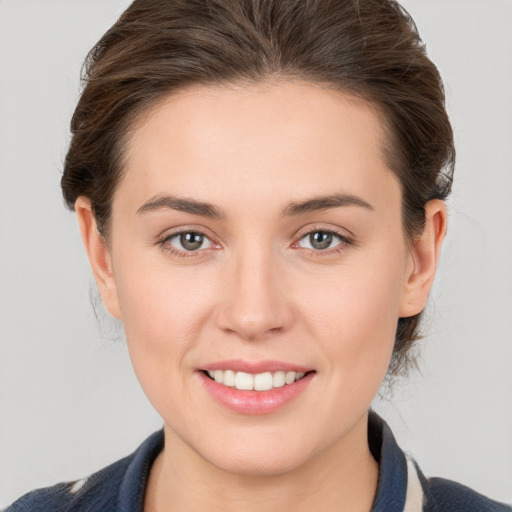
255	402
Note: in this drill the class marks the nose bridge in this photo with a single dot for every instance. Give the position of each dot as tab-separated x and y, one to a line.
255	303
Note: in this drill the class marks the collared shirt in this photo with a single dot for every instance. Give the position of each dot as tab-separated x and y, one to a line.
402	487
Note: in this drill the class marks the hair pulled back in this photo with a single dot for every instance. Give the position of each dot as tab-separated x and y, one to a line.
368	48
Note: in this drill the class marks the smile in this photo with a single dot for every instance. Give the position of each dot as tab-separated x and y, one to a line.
255	387
254	382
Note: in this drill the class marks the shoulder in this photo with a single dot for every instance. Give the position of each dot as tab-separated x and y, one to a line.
403	486
451	496
119	486
96	492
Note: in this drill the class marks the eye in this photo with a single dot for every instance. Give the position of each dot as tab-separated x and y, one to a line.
321	240
189	241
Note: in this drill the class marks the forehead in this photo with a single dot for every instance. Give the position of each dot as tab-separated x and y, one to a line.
299	138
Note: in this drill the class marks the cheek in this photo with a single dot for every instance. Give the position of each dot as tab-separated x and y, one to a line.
156	301
162	313
355	317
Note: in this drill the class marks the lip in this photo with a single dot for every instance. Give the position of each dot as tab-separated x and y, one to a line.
255	402
240	365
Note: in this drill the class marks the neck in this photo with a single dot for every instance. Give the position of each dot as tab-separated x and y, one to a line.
343	478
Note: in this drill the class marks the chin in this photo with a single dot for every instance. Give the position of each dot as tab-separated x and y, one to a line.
252	464
256	458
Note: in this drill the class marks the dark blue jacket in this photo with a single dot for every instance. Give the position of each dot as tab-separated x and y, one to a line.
402	486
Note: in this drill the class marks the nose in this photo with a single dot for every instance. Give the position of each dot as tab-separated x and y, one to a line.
255	303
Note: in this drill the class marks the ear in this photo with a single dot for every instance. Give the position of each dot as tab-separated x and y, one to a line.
99	255
424	255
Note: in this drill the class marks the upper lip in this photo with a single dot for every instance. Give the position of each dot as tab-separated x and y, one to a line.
255	367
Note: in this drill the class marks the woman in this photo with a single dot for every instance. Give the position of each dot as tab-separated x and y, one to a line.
260	190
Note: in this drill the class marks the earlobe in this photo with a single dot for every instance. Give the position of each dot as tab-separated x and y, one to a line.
99	255
424	252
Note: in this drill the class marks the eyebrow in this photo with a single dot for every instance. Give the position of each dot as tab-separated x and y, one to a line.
324	203
181	204
209	210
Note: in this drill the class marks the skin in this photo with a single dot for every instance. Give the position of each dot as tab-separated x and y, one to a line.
259	291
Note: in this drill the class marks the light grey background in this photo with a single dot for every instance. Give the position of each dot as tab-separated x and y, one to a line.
69	401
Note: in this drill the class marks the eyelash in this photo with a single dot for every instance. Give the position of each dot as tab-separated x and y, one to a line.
165	244
344	241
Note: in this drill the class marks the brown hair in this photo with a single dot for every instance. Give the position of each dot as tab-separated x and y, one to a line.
369	48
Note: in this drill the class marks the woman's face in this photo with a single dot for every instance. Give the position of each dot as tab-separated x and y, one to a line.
258	230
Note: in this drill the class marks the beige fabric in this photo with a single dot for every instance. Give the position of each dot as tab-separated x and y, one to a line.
414	496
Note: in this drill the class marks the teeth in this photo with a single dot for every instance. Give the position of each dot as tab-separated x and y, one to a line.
244	381
263	381
290	377
229	378
259	382
278	380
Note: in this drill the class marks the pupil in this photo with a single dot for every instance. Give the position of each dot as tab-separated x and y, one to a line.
320	240
191	241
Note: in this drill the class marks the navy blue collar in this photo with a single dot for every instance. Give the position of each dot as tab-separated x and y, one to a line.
391	491
392	487
133	485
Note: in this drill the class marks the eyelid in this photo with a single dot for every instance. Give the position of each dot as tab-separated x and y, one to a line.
178	236
189	228
345	236
163	240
